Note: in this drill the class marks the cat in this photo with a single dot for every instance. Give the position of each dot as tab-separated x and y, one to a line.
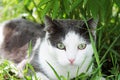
64	44
15	36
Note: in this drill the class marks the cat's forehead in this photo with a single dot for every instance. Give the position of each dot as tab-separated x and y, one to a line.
74	28
69	30
72	25
72	37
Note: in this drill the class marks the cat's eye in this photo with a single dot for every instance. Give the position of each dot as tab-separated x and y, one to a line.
61	46
81	46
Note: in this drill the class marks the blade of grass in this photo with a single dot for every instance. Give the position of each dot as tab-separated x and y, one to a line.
109	48
93	46
58	77
31	68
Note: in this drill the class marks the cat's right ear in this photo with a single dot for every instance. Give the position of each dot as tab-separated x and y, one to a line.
49	25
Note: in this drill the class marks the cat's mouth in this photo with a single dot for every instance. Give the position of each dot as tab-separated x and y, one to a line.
73	64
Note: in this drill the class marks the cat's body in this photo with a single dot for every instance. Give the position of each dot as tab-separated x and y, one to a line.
65	45
15	37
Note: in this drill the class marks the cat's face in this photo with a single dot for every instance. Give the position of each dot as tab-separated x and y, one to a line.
69	39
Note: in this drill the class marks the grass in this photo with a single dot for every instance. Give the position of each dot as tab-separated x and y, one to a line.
107	49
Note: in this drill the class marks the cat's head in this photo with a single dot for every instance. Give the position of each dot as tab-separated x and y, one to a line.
69	39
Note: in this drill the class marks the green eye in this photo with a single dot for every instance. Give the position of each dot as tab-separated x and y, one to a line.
61	46
82	46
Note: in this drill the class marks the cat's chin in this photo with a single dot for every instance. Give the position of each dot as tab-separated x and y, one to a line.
74	65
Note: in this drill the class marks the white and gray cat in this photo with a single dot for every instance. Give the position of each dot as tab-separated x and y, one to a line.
64	44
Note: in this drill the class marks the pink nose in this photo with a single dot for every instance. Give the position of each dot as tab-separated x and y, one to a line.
71	61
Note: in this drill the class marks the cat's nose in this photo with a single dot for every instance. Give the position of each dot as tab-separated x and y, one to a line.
71	61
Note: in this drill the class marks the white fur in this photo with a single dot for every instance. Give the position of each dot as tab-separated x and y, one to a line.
59	59
40	76
1	34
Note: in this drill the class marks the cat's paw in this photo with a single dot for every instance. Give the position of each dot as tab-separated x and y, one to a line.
40	76
20	74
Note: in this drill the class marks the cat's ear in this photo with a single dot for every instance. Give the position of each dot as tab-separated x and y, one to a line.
92	25
49	24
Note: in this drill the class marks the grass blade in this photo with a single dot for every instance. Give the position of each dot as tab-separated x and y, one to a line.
109	48
54	71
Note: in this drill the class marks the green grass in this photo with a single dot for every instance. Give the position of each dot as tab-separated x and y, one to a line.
107	49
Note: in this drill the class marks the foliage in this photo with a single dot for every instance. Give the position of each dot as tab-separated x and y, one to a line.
108	12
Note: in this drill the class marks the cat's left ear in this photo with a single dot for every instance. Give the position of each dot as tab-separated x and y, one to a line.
92	24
